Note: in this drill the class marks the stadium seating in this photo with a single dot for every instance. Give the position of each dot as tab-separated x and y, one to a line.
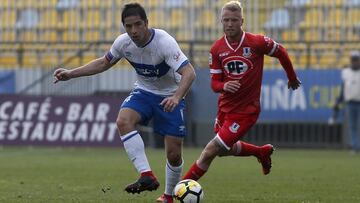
178	18
7	36
352	17
71	36
313	18
290	35
279	19
206	19
8	59
48	20
69	22
92	36
91	19
49	36
157	18
49	59
71	19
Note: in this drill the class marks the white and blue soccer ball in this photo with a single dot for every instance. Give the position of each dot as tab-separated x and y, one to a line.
188	191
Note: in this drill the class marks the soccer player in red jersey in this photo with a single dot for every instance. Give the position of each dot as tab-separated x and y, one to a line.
236	64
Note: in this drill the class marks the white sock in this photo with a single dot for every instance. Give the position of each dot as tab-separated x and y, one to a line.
173	174
135	149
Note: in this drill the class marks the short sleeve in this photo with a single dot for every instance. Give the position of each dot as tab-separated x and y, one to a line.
115	53
174	57
214	61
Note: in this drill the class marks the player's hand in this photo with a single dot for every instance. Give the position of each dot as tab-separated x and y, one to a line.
169	103
294	84
61	74
232	86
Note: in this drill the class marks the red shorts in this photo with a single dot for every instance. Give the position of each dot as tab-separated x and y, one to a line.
231	127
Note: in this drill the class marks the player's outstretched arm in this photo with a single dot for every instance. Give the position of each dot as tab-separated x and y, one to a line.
187	77
93	67
282	55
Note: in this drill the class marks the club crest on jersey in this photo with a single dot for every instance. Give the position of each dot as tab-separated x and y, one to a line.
224	54
236	67
246	52
234	128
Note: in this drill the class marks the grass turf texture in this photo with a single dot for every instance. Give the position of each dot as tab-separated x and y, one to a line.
99	175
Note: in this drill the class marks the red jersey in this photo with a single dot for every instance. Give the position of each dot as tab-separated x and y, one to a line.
245	64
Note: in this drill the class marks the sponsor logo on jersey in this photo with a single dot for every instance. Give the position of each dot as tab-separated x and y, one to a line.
236	67
210	59
268	41
246	52
148	71
176	56
127	54
224	54
234	128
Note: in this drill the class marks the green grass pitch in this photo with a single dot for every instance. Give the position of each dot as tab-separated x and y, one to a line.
99	175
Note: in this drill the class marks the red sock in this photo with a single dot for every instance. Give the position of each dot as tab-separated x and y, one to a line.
168	196
148	173
247	149
194	173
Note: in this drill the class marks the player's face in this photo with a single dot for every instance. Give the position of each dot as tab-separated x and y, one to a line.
232	22
137	29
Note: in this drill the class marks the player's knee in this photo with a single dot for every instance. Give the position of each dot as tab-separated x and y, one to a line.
221	148
174	157
224	152
124	125
211	150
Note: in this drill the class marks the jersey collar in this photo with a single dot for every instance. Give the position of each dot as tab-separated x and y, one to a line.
241	41
151	37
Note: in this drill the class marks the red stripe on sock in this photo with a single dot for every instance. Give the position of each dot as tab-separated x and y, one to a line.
148	173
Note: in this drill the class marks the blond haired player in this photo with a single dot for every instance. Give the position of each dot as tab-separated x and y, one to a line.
236	66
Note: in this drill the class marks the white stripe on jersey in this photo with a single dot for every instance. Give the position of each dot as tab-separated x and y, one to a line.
215	71
275	46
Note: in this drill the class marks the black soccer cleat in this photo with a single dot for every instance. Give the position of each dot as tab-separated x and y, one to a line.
143	183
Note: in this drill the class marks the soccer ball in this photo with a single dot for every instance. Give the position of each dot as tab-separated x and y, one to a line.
188	191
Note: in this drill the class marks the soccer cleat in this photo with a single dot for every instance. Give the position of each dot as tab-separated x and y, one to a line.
165	199
148	183
265	157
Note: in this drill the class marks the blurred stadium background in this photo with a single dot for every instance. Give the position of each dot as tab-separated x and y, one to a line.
37	36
